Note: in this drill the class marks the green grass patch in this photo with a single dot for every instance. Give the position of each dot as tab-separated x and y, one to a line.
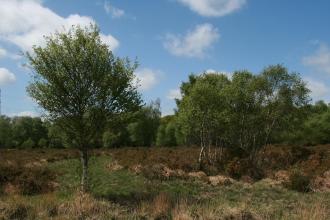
103	182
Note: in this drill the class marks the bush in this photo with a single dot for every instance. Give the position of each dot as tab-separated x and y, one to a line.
34	181
234	168
43	143
29	143
110	139
299	182
18	211
29	181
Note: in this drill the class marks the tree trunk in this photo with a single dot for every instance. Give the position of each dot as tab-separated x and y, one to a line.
200	159
84	174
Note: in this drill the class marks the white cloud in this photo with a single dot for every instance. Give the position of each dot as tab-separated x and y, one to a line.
110	40
320	60
213	8
112	10
195	43
319	90
24	113
211	71
228	74
25	22
174	94
147	78
168	112
6	76
3	53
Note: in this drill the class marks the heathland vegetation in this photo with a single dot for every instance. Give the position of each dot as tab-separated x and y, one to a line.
239	146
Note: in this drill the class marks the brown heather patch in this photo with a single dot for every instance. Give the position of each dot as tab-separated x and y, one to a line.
161	206
313	211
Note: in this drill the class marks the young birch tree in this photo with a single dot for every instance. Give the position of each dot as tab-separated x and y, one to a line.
81	84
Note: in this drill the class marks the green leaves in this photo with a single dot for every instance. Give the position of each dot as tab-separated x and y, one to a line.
80	83
242	112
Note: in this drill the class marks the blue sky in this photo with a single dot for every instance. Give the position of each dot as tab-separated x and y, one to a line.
173	38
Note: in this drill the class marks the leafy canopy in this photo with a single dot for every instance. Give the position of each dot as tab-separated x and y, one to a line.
244	111
80	83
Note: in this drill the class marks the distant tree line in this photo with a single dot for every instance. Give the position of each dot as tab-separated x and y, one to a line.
134	129
147	128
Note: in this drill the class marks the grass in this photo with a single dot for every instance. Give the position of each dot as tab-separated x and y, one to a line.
121	194
103	183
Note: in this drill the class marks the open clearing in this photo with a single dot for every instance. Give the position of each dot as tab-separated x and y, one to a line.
156	183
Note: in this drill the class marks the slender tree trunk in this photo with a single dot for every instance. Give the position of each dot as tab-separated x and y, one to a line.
201	137
84	174
200	159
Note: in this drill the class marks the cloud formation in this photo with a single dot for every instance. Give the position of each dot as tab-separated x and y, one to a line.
319	90
3	53
147	78
6	77
228	74
112	10
25	114
320	60
25	22
174	94
195	43
213	8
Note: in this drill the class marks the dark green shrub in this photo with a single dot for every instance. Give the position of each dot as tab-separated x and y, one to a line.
42	143
299	182
35	180
29	143
110	139
234	168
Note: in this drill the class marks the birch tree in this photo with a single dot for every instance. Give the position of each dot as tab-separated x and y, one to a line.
80	84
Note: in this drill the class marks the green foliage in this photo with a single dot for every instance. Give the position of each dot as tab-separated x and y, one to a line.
142	131
161	135
55	136
201	106
29	143
241	113
6	132
25	128
42	143
312	129
317	128
110	139
244	112
166	133
80	83
170	134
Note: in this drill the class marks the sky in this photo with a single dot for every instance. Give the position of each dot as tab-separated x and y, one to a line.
172	39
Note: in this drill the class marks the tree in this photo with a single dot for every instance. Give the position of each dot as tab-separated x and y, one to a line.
110	139
55	135
81	84
166	132
242	113
28	144
25	128
200	109
142	131
161	135
260	106
318	128
5	132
